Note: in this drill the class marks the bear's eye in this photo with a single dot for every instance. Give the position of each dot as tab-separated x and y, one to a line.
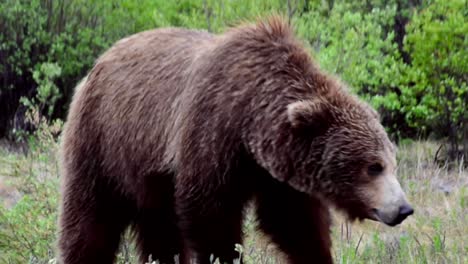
375	169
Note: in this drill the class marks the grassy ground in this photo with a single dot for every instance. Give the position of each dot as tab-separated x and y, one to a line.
436	233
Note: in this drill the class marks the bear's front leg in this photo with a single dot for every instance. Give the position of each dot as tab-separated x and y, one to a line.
298	223
210	219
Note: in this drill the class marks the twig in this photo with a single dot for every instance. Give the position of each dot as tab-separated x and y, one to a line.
437	153
357	246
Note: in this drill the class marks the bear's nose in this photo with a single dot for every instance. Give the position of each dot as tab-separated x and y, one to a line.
405	211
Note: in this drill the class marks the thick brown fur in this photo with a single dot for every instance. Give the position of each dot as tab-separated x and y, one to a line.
174	131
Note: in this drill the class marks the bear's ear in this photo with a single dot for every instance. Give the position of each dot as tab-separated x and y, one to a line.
312	115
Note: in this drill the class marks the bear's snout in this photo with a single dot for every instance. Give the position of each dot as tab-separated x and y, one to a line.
394	217
389	200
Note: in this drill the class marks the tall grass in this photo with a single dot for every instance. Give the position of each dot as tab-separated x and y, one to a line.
27	225
436	233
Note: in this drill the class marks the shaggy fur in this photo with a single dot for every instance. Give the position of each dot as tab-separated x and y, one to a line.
174	131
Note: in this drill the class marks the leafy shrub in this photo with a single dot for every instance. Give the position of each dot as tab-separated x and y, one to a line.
408	59
28	229
419	83
69	34
437	39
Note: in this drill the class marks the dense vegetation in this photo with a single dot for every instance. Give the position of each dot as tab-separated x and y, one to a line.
408	58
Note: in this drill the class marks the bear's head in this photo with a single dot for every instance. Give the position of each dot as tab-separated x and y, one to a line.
347	157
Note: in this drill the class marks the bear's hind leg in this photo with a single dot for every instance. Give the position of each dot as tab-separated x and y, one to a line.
157	234
91	223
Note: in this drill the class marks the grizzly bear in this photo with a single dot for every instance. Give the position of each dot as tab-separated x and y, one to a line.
175	131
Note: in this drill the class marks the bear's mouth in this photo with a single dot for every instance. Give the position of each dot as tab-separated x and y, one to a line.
373	215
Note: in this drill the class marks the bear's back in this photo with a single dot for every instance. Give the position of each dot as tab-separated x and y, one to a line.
126	107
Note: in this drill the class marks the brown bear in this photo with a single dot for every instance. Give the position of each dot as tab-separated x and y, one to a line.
174	131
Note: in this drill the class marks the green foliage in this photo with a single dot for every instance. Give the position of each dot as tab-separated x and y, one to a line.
353	44
28	229
437	40
47	92
212	15
408	59
358	44
418	96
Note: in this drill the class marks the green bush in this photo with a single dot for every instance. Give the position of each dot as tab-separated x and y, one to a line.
420	83
409	59
437	40
68	34
28	229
